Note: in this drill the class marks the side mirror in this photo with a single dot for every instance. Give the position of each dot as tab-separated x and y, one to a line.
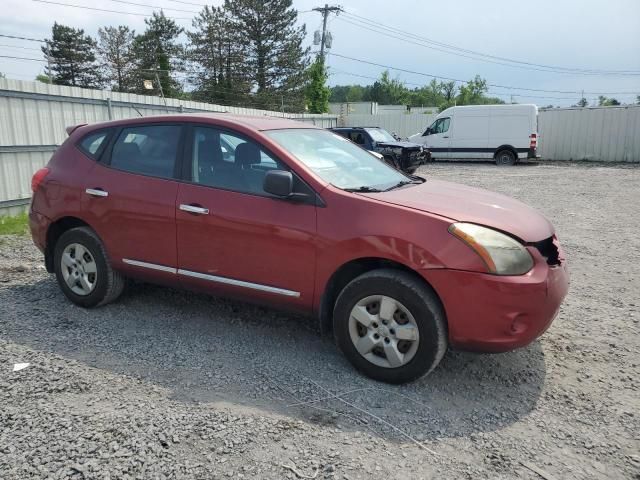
278	183
427	132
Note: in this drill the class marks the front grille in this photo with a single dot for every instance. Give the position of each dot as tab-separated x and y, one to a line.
415	156
549	250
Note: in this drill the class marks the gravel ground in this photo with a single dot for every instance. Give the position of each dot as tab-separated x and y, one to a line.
172	384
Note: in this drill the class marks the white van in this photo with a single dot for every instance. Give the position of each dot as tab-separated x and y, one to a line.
504	133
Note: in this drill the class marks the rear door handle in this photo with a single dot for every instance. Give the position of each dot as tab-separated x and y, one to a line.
446	136
96	192
194	209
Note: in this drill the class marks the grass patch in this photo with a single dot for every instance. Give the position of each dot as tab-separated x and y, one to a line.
17	225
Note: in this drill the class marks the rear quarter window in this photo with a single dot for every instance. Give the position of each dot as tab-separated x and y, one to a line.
147	150
93	143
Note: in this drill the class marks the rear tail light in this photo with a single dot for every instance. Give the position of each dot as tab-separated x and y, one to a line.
38	177
533	140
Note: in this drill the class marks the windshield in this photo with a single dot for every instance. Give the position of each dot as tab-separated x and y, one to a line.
380	135
337	160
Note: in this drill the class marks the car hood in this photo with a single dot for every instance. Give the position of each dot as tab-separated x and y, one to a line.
407	145
475	205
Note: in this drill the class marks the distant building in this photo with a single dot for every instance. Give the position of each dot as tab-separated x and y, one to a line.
373	108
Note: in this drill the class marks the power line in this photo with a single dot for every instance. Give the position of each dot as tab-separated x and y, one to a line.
420	44
492	92
154	6
508	87
21	38
23	58
404	34
104	9
18	46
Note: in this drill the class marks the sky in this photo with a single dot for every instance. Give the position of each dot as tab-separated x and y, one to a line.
580	36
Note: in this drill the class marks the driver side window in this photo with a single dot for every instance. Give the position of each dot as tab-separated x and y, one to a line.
440	126
230	162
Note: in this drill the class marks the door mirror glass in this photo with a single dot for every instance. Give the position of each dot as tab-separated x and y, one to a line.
278	183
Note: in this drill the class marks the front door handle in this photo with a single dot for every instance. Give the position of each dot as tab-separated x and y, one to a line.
96	192
194	209
446	136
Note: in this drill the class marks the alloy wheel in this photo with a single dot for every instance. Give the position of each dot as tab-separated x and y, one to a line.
78	269
384	331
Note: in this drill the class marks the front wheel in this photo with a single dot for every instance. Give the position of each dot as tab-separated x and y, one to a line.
390	325
83	270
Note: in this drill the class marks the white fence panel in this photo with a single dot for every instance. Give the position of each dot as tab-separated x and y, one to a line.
34	115
606	134
402	124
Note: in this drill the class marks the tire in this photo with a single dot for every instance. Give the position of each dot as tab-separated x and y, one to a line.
415	303
84	274
505	158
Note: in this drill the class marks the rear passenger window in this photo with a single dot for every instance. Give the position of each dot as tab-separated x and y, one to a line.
148	150
229	162
91	143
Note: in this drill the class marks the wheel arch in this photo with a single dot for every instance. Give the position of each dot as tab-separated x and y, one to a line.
346	273
510	148
55	230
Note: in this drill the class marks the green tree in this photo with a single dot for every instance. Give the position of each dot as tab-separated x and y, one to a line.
115	46
583	102
474	93
317	93
607	102
350	93
638	100
72	57
43	78
217	60
389	91
2	75
277	61
158	52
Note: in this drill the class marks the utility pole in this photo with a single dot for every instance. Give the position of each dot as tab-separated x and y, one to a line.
161	92
325	11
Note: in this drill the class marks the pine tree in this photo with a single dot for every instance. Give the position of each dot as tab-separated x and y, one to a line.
277	60
157	52
317	92
72	58
217	59
115	47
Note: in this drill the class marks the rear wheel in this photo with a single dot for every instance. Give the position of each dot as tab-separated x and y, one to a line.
390	325
83	271
505	157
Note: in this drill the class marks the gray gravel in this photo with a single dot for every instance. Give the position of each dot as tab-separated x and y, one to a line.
172	384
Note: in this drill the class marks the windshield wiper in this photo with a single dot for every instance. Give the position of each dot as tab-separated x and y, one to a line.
401	183
363	189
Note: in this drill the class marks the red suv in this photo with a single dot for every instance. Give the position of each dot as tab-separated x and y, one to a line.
277	212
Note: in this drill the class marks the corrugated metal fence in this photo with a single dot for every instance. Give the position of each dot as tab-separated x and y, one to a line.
606	134
33	117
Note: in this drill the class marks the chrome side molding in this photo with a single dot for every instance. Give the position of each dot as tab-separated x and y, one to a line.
239	283
213	278
152	266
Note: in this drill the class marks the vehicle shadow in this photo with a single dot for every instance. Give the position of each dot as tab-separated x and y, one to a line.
205	349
